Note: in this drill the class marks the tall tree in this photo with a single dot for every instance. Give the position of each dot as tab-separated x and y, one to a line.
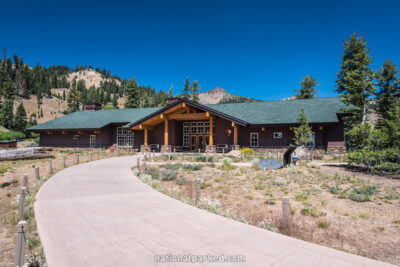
7	115
302	133
185	93
73	98
354	83
195	91
20	120
388	92
307	90
170	91
132	94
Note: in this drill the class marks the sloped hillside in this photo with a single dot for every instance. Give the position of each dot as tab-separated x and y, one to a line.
220	95
91	77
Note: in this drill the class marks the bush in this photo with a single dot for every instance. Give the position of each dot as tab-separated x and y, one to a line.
172	166
377	161
201	158
11	135
181	181
247	151
363	194
168	175
323	224
192	167
227	164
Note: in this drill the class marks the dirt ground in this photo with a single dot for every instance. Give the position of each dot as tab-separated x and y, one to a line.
330	205
9	194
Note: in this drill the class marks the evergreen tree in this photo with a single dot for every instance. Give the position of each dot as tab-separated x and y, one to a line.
20	121
63	95
354	83
302	133
6	86
7	115
388	93
115	101
74	98
307	89
170	92
195	93
186	89
132	94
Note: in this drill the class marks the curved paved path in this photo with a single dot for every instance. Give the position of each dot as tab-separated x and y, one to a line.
99	214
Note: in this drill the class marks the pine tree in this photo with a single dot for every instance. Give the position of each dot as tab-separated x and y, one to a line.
354	83
170	92
186	89
7	86
20	121
302	133
195	93
7	114
388	93
132	94
115	101
307	89
73	98
63	95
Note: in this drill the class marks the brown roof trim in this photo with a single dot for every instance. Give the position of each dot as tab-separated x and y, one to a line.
194	104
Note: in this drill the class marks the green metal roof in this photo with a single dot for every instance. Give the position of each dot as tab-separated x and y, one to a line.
284	111
318	110
94	119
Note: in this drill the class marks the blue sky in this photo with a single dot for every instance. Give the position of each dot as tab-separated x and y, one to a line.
260	49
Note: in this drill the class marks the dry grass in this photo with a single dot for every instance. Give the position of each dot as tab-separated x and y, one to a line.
370	228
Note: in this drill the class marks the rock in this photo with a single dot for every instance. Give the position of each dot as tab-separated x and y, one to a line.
270	164
6	181
24	153
235	153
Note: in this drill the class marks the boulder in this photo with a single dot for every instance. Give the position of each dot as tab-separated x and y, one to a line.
6	181
235	153
270	164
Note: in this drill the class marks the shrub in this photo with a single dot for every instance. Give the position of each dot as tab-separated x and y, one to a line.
181	181
202	158
11	135
255	162
323	224
247	151
377	161
172	166
363	194
154	173
192	167
227	164
168	175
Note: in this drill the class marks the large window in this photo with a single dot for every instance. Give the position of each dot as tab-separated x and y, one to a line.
254	139
92	140
125	137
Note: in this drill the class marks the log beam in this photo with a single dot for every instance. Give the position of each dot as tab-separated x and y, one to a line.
188	116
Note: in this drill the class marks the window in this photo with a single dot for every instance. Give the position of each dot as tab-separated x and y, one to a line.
254	139
125	137
312	143
76	137
278	135
186	141
92	141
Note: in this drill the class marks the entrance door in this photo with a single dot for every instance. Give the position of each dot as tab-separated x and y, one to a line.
193	143
199	141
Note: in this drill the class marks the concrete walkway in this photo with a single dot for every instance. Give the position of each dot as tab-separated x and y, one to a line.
99	214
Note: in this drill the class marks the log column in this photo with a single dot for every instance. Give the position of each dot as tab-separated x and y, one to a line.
211	141
166	132
235	134
145	136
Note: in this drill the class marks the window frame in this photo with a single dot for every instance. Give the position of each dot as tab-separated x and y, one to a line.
257	138
187	143
277	135
91	140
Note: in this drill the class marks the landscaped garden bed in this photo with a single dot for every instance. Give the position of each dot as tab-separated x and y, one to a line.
331	206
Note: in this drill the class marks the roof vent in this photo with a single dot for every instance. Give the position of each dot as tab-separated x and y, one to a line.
92	106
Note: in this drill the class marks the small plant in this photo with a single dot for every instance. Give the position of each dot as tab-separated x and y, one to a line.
181	181
168	175
247	151
305	211
268	225
172	166
280	181
323	224
204	185
269	201
192	167
363	194
202	158
227	164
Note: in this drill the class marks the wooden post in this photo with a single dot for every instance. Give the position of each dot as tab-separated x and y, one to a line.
90	156
223	151
144	166
77	158
235	134
206	158
64	162
285	213
138	164
50	166
174	150
169	157
37	174
166	132
159	174
211	139
21	208
199	150
102	153
145	136
117	152
198	190
341	158
26	181
20	244
242	157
